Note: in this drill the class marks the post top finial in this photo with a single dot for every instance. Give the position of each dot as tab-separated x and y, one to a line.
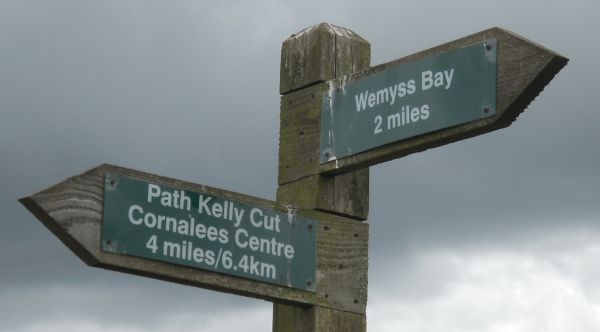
328	28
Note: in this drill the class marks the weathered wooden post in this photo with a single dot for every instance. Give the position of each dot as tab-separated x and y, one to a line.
307	252
309	59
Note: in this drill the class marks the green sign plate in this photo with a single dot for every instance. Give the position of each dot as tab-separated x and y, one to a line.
207	232
409	99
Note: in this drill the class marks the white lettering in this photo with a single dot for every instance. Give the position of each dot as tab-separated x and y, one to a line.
393	90
263	245
254	222
426	80
448	77
372	99
411	87
425	112
437	79
361	101
241	243
203	204
153	191
131	218
150	220
239	214
217	210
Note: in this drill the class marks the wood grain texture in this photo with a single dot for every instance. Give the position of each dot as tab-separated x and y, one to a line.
295	319
309	58
339	321
313	192
73	211
287	318
342	52
351	194
345	194
523	70
299	133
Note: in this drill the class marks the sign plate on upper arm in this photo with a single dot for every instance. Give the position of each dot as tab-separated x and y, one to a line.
207	232
409	99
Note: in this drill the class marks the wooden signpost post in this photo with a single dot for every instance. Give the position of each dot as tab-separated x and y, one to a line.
307	252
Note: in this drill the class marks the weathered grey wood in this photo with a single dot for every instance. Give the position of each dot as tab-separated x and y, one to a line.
308	57
313	56
524	69
299	133
299	153
312	192
351	194
73	211
295	319
344	194
339	321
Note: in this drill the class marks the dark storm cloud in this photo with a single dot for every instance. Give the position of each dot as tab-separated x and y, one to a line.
190	90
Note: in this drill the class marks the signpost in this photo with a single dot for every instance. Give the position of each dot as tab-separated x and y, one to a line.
408	100
307	252
461	103
203	231
134	222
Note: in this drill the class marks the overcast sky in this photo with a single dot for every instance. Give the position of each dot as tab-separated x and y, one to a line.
496	233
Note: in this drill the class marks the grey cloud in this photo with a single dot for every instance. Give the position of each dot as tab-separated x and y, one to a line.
120	300
190	90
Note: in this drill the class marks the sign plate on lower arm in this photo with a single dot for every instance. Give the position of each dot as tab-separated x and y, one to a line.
409	99
206	232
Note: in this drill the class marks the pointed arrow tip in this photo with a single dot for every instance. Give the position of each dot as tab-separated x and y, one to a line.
51	211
